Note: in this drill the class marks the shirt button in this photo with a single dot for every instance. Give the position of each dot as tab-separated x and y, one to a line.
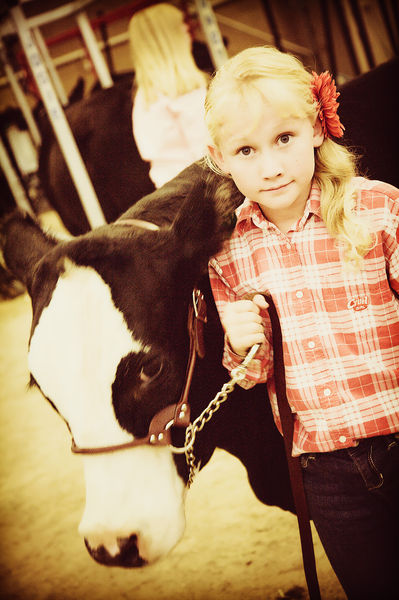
342	439
327	392
311	344
288	246
299	294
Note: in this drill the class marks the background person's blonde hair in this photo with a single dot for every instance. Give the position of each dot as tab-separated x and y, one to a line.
261	74
160	49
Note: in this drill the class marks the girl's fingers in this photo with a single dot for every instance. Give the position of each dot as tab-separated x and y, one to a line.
242	306
243	323
260	301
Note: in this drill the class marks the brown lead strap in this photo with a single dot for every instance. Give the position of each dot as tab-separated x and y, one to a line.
294	465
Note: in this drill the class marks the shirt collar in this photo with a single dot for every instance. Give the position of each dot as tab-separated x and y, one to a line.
250	211
313	203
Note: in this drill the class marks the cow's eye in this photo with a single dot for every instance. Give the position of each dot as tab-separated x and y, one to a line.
150	370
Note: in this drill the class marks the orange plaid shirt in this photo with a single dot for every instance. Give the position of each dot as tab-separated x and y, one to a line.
340	328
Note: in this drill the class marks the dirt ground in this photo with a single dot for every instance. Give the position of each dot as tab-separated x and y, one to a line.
233	548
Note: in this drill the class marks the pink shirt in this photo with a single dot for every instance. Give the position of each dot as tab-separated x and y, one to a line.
170	133
340	329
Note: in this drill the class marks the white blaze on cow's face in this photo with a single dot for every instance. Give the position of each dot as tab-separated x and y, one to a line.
74	353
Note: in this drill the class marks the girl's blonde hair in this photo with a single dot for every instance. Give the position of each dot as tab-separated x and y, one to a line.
264	74
160	49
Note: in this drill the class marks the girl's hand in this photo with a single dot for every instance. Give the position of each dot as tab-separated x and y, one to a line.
243	324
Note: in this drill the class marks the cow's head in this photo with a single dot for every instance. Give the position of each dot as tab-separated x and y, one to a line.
108	349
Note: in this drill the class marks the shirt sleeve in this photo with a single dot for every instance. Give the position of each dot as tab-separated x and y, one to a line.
145	127
391	238
189	115
261	367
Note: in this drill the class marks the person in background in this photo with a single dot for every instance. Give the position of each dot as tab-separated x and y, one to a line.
323	242
168	105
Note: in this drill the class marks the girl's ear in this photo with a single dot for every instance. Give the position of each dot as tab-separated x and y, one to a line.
217	157
318	135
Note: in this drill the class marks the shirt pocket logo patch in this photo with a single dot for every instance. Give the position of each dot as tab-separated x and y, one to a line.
357	303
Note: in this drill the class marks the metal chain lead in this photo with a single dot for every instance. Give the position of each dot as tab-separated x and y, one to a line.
237	375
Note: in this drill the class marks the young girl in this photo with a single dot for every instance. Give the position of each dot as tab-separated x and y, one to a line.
168	109
323	243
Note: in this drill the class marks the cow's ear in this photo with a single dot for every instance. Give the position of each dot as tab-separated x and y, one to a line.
207	216
23	244
196	222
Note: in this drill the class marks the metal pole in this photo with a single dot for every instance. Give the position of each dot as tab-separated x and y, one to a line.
20	96
96	56
16	187
50	66
357	13
267	7
61	127
212	32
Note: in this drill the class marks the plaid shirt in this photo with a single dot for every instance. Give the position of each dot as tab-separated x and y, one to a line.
340	328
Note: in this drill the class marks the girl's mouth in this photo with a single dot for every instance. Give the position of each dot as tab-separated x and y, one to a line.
277	188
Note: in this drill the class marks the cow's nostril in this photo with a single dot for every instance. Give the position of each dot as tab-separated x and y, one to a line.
129	553
127	557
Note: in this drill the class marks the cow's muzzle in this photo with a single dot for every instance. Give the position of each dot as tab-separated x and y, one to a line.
128	555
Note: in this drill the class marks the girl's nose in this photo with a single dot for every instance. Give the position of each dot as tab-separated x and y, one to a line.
270	166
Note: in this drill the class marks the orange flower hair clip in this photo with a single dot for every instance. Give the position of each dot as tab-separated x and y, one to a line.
325	94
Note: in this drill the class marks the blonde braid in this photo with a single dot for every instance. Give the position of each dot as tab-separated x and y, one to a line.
334	172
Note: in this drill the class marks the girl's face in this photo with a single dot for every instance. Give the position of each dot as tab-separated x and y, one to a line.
271	160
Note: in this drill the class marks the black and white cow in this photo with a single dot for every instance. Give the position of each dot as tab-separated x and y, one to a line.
108	348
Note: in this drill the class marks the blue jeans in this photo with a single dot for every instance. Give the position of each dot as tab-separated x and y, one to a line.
353	498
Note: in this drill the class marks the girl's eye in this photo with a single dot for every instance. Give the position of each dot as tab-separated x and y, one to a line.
285	138
245	151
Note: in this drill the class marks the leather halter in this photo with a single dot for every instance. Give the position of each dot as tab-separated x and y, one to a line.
173	415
